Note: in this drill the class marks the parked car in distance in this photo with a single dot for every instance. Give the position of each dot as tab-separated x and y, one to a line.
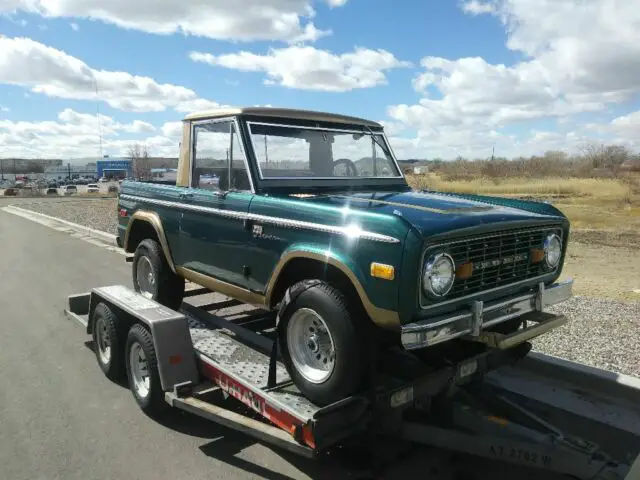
51	191
10	192
93	188
70	189
113	189
311	216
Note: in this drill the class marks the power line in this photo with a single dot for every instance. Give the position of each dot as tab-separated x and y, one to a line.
98	116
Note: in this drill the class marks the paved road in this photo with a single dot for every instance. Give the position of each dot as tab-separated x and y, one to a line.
60	418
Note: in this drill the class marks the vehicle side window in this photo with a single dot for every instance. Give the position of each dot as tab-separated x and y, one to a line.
239	175
215	144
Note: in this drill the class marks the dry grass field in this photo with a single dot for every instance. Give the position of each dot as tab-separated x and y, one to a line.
604	252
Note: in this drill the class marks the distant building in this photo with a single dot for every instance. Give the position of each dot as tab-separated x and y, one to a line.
164	174
114	168
64	171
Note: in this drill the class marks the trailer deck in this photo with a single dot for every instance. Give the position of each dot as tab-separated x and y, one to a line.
205	358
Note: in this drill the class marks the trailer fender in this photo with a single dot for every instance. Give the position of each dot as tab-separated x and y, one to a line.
169	329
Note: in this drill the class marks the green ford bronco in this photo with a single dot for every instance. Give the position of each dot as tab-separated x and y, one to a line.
265	200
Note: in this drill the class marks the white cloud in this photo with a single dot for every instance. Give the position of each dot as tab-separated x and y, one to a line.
242	20
74	26
630	123
475	7
54	73
3	108
577	57
197	104
172	129
622	130
309	68
76	135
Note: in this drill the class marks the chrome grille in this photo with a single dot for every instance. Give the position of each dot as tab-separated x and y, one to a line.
499	259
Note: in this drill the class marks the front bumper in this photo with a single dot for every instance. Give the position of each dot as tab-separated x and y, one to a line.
473	320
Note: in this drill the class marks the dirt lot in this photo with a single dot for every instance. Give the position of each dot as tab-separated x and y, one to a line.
604	271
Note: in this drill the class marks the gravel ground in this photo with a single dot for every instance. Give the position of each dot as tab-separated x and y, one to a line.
97	213
601	332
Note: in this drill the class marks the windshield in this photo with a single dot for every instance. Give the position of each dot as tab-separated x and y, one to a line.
290	151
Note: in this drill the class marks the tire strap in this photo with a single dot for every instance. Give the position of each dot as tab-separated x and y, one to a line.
289	296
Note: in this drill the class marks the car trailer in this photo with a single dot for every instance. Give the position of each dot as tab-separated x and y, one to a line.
203	364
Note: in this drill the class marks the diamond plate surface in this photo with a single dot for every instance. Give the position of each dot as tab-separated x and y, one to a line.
249	366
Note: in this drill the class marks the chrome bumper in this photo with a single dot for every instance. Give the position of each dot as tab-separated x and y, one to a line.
472	320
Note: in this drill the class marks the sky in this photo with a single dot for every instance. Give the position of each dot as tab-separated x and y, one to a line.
447	78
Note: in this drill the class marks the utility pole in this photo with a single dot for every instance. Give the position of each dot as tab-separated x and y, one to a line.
493	151
1	170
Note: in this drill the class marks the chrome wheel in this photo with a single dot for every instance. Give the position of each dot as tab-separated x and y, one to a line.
310	345
139	370
103	341
145	277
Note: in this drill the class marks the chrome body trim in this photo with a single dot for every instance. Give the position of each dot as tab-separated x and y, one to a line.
381	133
430	248
477	316
349	232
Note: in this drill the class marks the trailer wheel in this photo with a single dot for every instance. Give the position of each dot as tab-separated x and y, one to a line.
107	342
152	276
142	370
324	345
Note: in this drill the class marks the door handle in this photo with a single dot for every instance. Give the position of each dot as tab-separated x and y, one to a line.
186	196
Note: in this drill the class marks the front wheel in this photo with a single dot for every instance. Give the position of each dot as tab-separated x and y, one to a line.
324	345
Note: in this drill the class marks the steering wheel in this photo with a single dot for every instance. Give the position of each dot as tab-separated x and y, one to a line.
352	171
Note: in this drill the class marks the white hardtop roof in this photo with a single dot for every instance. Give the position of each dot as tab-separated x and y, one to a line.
280	112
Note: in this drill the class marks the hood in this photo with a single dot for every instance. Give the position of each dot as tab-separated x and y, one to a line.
433	213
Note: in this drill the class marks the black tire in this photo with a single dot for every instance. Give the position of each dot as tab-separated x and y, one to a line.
107	333
169	289
152	402
350	339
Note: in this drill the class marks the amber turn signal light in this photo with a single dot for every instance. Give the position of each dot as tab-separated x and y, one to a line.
464	271
381	270
537	255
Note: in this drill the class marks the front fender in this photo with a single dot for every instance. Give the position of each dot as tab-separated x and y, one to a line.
385	318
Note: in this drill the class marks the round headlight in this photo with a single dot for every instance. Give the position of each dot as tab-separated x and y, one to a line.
552	250
439	274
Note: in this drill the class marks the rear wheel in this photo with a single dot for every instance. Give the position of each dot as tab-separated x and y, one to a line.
324	345
142	371
153	277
